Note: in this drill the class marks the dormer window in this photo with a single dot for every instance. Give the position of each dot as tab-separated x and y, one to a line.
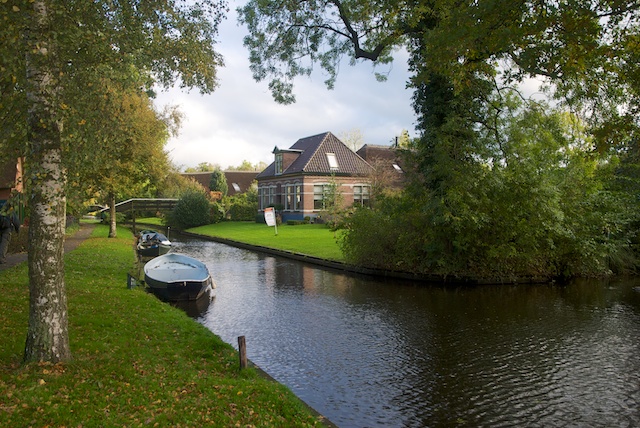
278	163
333	161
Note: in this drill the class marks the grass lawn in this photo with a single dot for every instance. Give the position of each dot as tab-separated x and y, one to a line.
157	221
136	361
312	239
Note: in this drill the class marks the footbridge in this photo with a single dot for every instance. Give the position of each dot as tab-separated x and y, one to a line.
143	204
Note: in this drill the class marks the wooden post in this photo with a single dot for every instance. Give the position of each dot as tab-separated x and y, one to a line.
242	349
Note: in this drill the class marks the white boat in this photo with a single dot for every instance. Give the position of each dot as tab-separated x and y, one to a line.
175	276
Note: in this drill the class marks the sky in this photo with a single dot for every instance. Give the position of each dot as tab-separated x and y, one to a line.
240	121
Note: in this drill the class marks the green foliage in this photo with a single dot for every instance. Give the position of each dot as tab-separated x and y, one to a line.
175	185
52	56
203	167
333	210
106	218
192	209
218	182
243	206
525	197
287	38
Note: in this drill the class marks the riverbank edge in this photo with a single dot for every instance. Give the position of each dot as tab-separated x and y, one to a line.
73	241
360	270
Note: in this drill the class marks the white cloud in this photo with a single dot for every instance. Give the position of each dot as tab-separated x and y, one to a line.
240	121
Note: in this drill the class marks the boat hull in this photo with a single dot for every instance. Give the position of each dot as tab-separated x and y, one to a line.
152	244
174	277
186	290
154	250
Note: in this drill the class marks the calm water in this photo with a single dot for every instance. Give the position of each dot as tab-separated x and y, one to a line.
367	353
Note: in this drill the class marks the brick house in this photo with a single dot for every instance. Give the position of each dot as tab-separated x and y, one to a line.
296	181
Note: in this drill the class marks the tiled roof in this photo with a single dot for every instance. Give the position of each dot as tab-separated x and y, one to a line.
313	158
369	151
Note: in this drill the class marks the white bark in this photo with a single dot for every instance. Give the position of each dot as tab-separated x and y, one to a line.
47	336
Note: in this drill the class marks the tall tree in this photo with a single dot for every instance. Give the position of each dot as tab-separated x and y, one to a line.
64	45
218	182
461	56
587	51
127	136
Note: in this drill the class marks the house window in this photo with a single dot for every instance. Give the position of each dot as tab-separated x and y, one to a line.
318	197
293	197
272	195
361	195
236	187
278	163
263	197
267	196
333	161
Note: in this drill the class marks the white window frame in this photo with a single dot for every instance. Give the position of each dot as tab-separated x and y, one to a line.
333	161
362	196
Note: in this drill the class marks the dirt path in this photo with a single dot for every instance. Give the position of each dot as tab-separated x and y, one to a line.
70	244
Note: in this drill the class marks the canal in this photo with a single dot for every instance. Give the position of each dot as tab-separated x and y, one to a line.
371	353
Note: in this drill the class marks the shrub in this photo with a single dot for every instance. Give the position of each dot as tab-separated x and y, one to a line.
106	217
192	209
241	207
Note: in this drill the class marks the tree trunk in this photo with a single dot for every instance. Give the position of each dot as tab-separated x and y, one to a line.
112	220
48	332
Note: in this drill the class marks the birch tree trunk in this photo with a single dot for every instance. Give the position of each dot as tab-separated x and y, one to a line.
112	220
48	332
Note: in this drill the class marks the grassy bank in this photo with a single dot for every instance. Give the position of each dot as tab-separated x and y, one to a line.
137	361
311	239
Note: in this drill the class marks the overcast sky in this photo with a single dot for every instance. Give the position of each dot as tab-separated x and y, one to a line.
240	121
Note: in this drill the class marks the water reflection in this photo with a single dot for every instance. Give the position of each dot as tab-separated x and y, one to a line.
373	353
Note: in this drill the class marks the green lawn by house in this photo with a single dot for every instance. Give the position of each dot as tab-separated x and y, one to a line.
311	239
136	361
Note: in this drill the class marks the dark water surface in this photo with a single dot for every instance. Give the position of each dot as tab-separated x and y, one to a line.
368	353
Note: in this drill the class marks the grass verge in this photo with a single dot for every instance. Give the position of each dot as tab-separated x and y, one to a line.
137	361
312	239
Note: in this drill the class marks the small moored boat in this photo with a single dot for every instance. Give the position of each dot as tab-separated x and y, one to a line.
177	277
152	244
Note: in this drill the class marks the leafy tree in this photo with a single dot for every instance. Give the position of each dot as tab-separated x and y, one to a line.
332	204
174	185
248	166
218	182
192	210
52	49
127	138
203	167
585	51
403	141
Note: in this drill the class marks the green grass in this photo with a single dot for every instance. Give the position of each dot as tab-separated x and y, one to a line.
311	239
157	221
136	361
